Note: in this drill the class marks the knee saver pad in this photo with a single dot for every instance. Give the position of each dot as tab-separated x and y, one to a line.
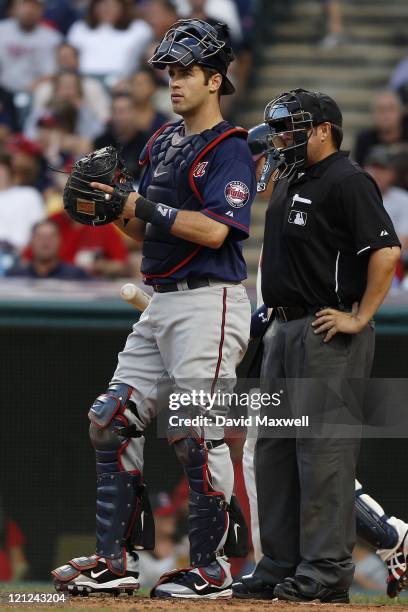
109	404
371	525
108	427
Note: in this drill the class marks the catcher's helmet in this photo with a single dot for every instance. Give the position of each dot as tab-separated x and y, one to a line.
193	41
287	121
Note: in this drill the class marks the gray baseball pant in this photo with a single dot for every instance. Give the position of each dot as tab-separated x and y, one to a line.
185	338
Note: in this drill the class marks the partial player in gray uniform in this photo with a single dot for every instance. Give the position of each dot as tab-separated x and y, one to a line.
192	212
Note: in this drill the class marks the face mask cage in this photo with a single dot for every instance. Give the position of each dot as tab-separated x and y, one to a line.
289	126
187	42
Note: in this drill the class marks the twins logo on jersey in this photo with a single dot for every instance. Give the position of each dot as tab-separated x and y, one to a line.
237	194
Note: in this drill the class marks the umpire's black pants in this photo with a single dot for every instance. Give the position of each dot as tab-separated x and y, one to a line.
305	485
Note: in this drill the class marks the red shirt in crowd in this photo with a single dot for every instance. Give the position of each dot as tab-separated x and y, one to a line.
81	241
14	538
104	240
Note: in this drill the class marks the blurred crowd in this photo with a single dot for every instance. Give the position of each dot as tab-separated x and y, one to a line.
74	77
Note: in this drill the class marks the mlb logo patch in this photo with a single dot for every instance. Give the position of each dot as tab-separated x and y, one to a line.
297	217
200	169
237	194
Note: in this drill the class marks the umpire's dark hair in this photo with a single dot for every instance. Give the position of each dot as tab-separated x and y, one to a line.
337	135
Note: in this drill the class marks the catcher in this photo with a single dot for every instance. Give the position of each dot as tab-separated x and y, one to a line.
192	213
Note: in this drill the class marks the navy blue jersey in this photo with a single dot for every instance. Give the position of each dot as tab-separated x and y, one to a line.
224	180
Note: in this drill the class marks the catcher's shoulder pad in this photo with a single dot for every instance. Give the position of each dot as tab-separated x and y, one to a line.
145	154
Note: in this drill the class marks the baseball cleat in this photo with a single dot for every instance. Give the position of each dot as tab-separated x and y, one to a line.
252	587
86	575
211	582
303	589
397	566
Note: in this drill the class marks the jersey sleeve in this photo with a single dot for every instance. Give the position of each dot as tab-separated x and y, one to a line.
228	193
365	215
144	181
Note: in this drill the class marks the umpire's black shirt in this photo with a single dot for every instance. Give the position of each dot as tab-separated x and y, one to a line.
321	226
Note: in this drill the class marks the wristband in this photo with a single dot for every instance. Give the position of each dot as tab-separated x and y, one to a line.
157	214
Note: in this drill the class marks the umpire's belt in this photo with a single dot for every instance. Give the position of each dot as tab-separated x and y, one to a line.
290	313
192	283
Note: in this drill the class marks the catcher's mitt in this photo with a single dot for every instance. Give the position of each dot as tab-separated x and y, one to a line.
90	206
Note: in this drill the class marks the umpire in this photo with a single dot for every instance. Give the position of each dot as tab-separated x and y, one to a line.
329	256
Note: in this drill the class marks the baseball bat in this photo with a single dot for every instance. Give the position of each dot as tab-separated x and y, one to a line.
135	296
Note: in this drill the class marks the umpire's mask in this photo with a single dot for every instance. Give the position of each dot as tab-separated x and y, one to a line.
288	120
290	128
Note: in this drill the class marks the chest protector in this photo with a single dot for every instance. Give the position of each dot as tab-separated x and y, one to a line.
173	160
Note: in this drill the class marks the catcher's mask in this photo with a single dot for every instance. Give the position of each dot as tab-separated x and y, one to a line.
193	41
288	121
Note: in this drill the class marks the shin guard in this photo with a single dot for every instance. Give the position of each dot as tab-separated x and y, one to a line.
372	523
208	509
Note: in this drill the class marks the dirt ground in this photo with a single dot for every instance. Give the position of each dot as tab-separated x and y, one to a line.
143	604
149	605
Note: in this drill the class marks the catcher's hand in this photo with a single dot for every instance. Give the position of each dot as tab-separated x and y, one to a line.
91	206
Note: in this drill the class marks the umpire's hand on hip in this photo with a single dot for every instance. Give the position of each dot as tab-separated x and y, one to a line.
334	321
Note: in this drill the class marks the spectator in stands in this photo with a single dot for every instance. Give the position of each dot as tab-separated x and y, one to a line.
100	251
380	164
29	164
226	11
67	89
13	562
8	115
370	572
20	207
213	11
143	89
110	44
61	14
401	164
4	8
245	59
27	48
123	132
390	126
95	96
399	80
45	261
335	29
160	15
60	144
